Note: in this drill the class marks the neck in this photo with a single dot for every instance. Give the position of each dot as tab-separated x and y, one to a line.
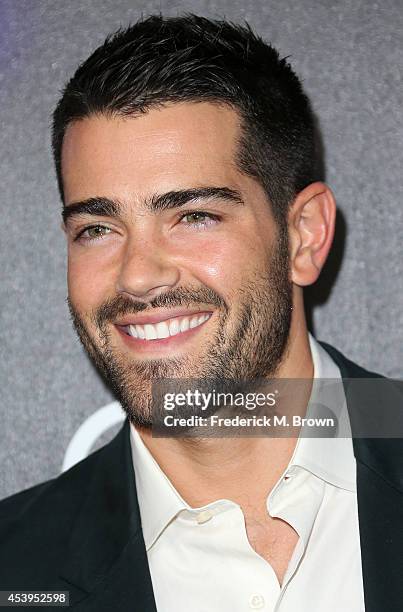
242	469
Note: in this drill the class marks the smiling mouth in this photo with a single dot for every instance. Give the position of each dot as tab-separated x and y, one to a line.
167	328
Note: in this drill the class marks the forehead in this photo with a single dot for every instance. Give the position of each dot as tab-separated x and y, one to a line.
168	148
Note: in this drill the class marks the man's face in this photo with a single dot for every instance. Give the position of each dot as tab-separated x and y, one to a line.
194	284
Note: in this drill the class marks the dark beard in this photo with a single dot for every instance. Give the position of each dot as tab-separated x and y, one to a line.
254	349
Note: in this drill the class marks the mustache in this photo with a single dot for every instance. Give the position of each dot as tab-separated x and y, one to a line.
181	296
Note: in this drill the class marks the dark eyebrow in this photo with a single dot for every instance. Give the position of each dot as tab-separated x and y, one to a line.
176	199
103	207
106	207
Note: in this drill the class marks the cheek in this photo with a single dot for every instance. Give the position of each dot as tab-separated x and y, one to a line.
87	281
224	263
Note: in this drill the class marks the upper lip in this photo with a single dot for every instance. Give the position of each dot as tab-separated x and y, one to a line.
156	317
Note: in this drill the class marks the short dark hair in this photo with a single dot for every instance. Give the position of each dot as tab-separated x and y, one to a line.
191	58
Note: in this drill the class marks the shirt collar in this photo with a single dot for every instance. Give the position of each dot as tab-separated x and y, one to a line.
159	501
331	459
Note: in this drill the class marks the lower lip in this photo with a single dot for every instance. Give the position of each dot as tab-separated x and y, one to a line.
141	345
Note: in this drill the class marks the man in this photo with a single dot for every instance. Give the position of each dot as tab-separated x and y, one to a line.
185	156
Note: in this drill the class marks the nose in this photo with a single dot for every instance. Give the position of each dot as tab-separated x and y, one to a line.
146	271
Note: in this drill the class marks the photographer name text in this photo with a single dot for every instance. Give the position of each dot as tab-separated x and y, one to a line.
252	421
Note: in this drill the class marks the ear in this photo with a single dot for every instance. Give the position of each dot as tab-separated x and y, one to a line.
311	221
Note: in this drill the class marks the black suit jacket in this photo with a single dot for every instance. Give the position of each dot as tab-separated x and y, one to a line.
81	532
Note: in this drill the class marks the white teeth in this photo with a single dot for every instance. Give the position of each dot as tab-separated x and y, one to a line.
184	324
174	327
150	331
133	331
140	331
164	329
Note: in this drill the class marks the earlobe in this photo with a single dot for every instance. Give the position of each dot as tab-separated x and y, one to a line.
311	222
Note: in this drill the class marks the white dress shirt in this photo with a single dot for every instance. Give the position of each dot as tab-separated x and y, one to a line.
200	558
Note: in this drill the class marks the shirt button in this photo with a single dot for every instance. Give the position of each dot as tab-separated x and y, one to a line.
256	602
204	516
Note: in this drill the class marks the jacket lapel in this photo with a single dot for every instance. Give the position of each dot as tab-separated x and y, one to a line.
379	493
106	557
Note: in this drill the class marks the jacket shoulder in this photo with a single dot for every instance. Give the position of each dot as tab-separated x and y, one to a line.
35	524
348	368
46	493
12	505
